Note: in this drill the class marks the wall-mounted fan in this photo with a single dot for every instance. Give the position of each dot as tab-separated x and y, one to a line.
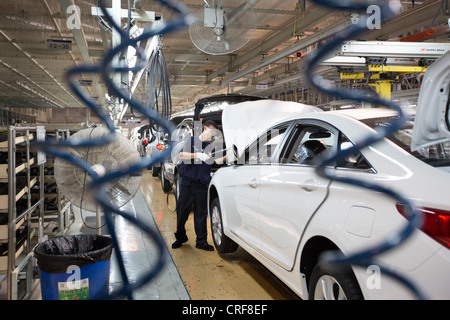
73	181
223	26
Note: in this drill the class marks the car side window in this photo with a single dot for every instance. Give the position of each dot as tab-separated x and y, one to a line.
260	152
353	161
310	145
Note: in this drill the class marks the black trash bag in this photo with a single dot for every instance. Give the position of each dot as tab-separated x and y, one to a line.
56	255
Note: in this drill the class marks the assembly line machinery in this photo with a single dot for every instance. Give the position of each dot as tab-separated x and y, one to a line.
383	62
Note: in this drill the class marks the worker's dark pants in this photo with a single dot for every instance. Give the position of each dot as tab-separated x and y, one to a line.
192	193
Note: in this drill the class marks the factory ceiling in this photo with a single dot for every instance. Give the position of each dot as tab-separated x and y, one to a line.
40	41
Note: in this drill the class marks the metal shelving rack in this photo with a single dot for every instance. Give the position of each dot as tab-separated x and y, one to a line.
18	264
63	215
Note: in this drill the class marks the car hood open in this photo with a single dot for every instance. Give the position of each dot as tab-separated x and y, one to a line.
432	123
243	122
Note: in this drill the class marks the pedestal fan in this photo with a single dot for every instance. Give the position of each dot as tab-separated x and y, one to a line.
73	181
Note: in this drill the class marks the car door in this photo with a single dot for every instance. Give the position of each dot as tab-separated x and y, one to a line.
291	191
240	194
241	190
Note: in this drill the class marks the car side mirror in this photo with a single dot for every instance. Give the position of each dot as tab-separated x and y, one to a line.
166	138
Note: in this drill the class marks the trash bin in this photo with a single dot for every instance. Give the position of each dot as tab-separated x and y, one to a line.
74	267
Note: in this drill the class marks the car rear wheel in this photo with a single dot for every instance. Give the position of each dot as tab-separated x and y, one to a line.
333	283
222	243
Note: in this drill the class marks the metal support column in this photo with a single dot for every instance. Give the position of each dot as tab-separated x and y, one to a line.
11	208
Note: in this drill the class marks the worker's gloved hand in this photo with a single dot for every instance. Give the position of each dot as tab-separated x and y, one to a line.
202	156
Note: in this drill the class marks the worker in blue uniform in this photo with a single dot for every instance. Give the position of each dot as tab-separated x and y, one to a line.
195	175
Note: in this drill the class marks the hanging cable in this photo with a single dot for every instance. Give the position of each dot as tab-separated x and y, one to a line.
157	88
57	148
367	256
159	81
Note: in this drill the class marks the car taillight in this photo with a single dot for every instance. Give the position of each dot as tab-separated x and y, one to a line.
159	146
436	223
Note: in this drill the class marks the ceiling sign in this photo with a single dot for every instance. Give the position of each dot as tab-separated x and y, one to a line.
59	44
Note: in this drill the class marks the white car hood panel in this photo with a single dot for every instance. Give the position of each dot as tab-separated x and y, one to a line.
430	124
242	123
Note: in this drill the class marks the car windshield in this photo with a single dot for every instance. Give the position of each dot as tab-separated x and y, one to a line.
436	155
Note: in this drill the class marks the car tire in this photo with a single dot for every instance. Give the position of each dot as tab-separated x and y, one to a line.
155	171
222	243
165	184
331	282
177	186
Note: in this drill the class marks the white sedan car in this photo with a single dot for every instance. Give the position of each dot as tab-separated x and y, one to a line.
270	201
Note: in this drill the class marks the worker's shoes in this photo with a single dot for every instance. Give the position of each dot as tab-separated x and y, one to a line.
178	243
204	246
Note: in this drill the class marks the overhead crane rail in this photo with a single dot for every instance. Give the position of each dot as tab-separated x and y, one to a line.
393	49
384	61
